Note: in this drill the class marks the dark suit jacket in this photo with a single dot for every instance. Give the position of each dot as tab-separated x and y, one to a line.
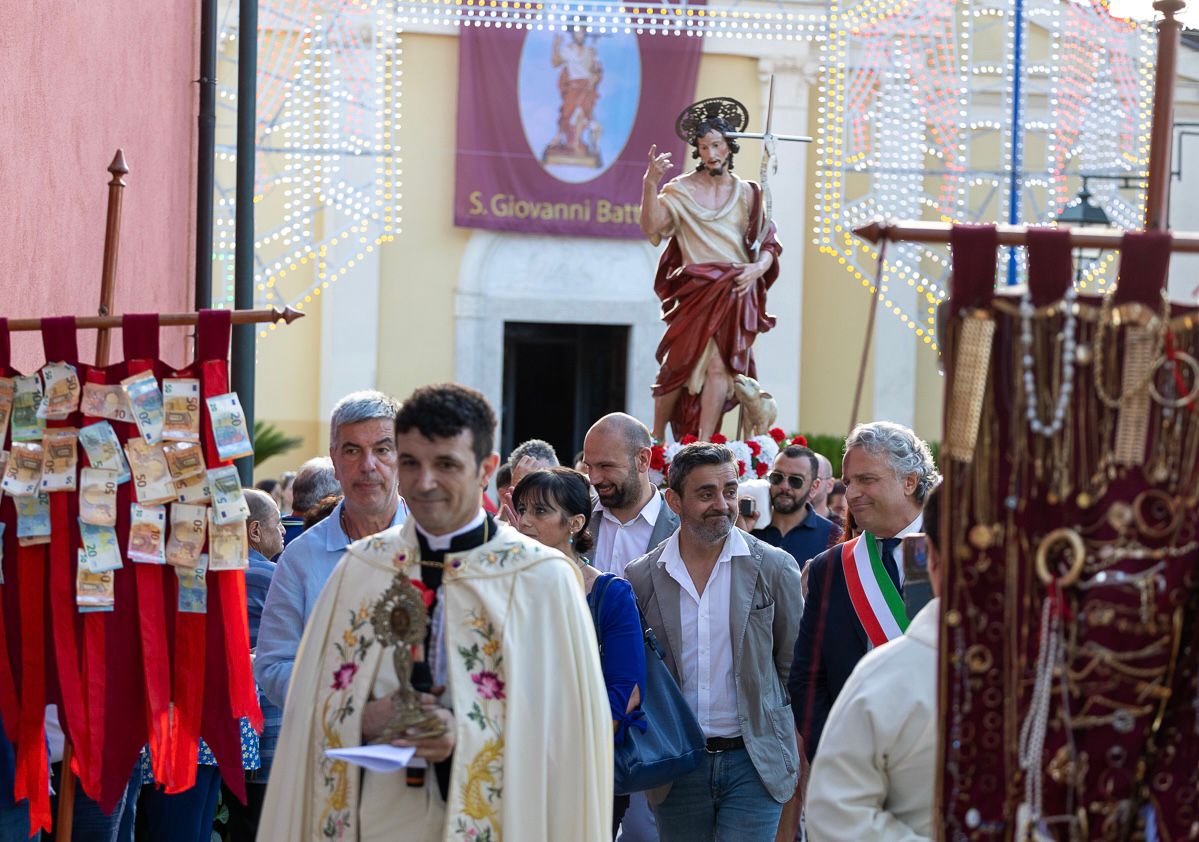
831	642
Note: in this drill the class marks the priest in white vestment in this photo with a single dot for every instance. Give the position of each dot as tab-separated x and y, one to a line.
511	641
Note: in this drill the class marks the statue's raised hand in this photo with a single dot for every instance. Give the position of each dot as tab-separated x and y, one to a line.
658	165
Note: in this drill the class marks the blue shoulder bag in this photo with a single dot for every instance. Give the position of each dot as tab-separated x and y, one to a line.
673	743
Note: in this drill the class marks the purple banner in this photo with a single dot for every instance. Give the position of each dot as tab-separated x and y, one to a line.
554	128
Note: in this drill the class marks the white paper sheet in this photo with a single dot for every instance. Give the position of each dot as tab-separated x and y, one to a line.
377	758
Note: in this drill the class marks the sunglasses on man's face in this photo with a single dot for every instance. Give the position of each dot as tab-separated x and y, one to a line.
794	481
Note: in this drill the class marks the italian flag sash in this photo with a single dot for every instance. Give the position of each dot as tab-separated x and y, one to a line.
875	598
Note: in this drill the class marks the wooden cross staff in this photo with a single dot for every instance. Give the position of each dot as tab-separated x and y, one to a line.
104	322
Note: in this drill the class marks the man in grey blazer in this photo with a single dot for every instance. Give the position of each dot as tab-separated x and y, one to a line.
630	517
726	607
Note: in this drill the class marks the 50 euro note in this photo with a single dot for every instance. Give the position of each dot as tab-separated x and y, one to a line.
229	426
184	458
60	397
23	473
152	480
106	401
147	528
193	489
101	551
103	449
188	527
181	409
228	502
8	388
93	591
60	458
98	496
146	400
33	519
228	545
27	396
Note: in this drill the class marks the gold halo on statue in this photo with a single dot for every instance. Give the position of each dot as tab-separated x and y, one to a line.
733	112
1077	548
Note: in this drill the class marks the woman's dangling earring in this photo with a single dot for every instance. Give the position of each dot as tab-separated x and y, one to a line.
571	539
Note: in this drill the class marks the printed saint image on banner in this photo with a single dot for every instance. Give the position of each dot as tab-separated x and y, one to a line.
554	126
576	116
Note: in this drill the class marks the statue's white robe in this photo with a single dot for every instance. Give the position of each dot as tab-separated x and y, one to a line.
533	750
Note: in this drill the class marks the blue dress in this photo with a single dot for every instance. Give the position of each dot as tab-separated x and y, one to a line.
622	649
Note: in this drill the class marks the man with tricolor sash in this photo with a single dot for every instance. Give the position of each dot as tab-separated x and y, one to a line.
855	589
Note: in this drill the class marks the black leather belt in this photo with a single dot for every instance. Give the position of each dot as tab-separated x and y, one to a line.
715	745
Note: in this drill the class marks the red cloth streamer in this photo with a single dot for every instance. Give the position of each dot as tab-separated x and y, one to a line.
973	251
1050	264
1144	262
139	334
58	338
229	692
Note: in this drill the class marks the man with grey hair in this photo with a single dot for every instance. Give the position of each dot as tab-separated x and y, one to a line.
315	481
855	589
363	450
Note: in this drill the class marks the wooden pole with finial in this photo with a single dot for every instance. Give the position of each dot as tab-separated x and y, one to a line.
112	238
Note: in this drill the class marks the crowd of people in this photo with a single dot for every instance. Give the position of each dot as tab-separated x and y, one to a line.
410	590
757	626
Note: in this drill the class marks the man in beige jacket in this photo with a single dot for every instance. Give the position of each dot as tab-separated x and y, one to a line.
873	777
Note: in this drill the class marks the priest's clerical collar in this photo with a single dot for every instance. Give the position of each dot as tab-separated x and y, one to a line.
441	543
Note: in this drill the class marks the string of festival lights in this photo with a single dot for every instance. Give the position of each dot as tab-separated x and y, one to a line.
1087	101
913	113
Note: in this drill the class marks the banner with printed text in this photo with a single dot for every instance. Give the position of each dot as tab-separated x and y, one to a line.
554	128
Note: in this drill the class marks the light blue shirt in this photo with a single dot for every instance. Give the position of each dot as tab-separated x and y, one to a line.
304	567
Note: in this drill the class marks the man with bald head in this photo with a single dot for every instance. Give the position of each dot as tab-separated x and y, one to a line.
629	518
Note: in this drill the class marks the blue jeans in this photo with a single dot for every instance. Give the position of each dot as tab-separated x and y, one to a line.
186	816
722	800
14	823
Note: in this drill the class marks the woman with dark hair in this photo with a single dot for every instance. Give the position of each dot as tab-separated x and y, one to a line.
553	506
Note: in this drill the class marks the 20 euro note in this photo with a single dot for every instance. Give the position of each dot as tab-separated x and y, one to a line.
60	458
23	474
188	527
103	449
33	519
229	427
147	526
93	591
228	545
106	401
60	397
100	547
151	474
193	589
98	497
146	401
228	502
27	396
181	409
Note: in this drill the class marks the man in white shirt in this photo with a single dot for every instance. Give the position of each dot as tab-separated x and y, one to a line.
362	447
873	778
727	609
629	518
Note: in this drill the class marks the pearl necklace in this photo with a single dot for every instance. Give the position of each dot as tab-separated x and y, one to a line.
1069	352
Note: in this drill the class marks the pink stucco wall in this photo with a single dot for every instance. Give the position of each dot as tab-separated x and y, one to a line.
77	81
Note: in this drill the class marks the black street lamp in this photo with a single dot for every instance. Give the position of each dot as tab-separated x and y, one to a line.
1083	212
